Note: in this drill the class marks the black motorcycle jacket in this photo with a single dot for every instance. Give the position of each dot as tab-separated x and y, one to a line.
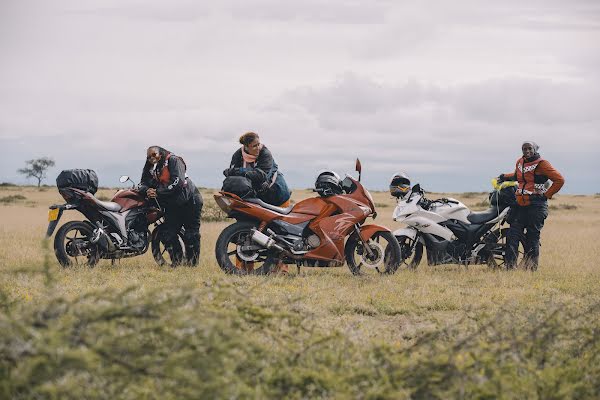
169	179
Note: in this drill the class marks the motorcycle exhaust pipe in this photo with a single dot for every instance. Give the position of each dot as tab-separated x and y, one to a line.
265	241
101	238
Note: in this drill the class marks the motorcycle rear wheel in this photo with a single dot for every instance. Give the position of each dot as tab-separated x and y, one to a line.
72	245
229	245
385	249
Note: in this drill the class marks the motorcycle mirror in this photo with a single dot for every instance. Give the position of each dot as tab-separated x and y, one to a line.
358	168
123	178
416	188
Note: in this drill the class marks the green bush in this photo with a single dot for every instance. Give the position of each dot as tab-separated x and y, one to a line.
215	342
13	198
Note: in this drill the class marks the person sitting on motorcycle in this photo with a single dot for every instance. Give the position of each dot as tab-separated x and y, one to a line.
532	173
254	161
164	178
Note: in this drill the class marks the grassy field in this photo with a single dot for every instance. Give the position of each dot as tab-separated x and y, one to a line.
137	330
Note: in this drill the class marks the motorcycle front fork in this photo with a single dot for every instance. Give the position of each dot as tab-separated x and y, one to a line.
364	242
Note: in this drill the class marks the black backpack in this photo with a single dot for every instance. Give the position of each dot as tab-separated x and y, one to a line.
239	185
504	197
83	179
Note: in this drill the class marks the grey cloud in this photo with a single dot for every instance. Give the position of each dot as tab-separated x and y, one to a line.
446	90
495	101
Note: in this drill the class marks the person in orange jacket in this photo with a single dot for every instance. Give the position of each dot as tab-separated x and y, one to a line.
532	173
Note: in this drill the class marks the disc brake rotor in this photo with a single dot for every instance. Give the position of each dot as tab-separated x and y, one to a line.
246	250
374	260
76	247
245	255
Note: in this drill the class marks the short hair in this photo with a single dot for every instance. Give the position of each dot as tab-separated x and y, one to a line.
248	138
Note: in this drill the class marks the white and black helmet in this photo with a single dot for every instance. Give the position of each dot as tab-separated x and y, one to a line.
400	184
328	183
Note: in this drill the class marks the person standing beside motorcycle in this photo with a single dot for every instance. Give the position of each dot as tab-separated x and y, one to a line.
255	161
164	178
532	173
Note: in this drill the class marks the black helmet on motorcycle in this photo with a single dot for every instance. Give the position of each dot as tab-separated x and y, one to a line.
328	183
399	185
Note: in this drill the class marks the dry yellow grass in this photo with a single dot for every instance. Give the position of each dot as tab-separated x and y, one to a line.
394	308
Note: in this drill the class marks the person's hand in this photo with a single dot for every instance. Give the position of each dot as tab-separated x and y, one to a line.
256	176
151	193
500	178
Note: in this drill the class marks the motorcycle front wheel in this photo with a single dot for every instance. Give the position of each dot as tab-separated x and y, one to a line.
384	257
167	255
411	251
72	245
237	254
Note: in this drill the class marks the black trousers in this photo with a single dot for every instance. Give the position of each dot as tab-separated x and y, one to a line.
525	222
187	216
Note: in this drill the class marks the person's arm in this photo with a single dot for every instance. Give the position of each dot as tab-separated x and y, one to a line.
267	166
234	165
509	176
177	179
146	180
545	168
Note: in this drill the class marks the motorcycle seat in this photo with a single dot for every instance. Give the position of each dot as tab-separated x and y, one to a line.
107	205
280	210
481	217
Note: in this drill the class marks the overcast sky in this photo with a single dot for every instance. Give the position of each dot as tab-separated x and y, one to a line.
444	90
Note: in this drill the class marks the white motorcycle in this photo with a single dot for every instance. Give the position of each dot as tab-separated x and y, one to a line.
451	233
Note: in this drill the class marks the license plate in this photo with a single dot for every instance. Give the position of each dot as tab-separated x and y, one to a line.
53	215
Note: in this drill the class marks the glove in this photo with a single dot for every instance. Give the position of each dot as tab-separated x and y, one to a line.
424	203
256	176
500	178
142	189
231	172
264	187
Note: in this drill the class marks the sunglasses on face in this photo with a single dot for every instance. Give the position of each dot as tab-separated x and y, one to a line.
153	156
528	148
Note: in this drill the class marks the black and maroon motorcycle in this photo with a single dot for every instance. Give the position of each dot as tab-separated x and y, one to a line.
114	229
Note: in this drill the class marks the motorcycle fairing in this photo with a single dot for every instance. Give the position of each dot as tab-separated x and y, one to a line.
408	232
426	224
345	212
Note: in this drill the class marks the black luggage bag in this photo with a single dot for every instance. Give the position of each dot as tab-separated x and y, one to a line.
239	185
83	179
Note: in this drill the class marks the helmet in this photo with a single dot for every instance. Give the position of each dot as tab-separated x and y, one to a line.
328	183
400	184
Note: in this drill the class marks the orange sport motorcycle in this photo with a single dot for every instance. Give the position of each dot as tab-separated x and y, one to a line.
309	233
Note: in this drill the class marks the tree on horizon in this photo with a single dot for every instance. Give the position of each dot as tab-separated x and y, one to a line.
37	168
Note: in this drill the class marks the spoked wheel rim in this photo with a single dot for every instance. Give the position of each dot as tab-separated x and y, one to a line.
78	248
